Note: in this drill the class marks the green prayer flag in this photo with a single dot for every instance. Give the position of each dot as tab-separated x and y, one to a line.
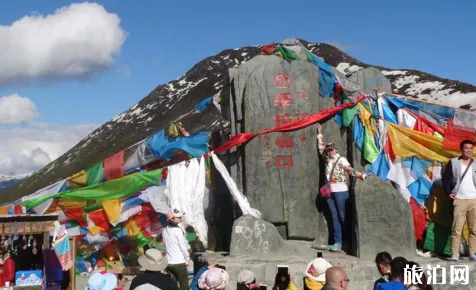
140	240
114	189
287	54
93	207
438	239
94	173
348	114
370	149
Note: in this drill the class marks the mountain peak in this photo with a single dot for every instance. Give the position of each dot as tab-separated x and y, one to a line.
175	101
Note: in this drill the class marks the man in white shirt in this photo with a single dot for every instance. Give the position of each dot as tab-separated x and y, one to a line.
176	248
459	182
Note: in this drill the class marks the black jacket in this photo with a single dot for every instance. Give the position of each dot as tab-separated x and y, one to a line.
153	280
447	178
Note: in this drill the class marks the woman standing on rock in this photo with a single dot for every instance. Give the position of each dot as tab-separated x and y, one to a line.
336	166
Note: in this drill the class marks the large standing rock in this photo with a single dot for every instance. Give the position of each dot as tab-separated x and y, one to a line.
371	79
384	220
279	172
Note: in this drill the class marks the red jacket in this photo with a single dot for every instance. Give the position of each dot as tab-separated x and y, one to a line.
9	270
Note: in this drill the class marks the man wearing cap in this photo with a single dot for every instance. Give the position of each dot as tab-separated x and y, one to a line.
153	264
176	248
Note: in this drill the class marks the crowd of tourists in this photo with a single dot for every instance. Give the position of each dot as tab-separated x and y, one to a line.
319	275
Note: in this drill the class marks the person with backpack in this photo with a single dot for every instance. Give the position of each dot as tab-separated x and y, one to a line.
336	190
459	183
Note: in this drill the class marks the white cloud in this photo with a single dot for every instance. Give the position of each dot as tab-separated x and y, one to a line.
29	148
76	42
15	109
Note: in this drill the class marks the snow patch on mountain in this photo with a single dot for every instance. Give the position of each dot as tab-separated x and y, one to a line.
394	72
8	181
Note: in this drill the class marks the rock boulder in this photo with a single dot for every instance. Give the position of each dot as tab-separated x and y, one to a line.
383	220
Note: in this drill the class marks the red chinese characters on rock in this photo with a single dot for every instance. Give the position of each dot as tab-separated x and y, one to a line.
283	141
299	115
282	81
283	100
284	161
282	119
302	95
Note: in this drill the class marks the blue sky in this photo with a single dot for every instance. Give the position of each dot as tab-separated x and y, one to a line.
166	38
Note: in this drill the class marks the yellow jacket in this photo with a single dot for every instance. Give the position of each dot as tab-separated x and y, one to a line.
290	287
312	284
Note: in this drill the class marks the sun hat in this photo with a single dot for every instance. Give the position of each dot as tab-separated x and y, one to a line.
153	260
100	281
214	278
317	269
175	213
246	276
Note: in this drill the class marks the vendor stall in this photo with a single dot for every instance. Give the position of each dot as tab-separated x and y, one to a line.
27	260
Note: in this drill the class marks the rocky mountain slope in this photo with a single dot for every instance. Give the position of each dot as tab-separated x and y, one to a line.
176	100
8	181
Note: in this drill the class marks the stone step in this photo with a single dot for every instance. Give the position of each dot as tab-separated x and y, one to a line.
362	273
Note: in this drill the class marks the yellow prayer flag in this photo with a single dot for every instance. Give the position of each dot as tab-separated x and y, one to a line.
408	143
60	204
112	209
4	209
132	228
366	119
79	179
94	230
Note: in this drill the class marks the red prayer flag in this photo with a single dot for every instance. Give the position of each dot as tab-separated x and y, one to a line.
419	219
99	218
389	150
114	166
427	122
454	135
421	126
76	214
268	49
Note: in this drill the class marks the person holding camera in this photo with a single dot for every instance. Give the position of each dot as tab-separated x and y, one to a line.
283	281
